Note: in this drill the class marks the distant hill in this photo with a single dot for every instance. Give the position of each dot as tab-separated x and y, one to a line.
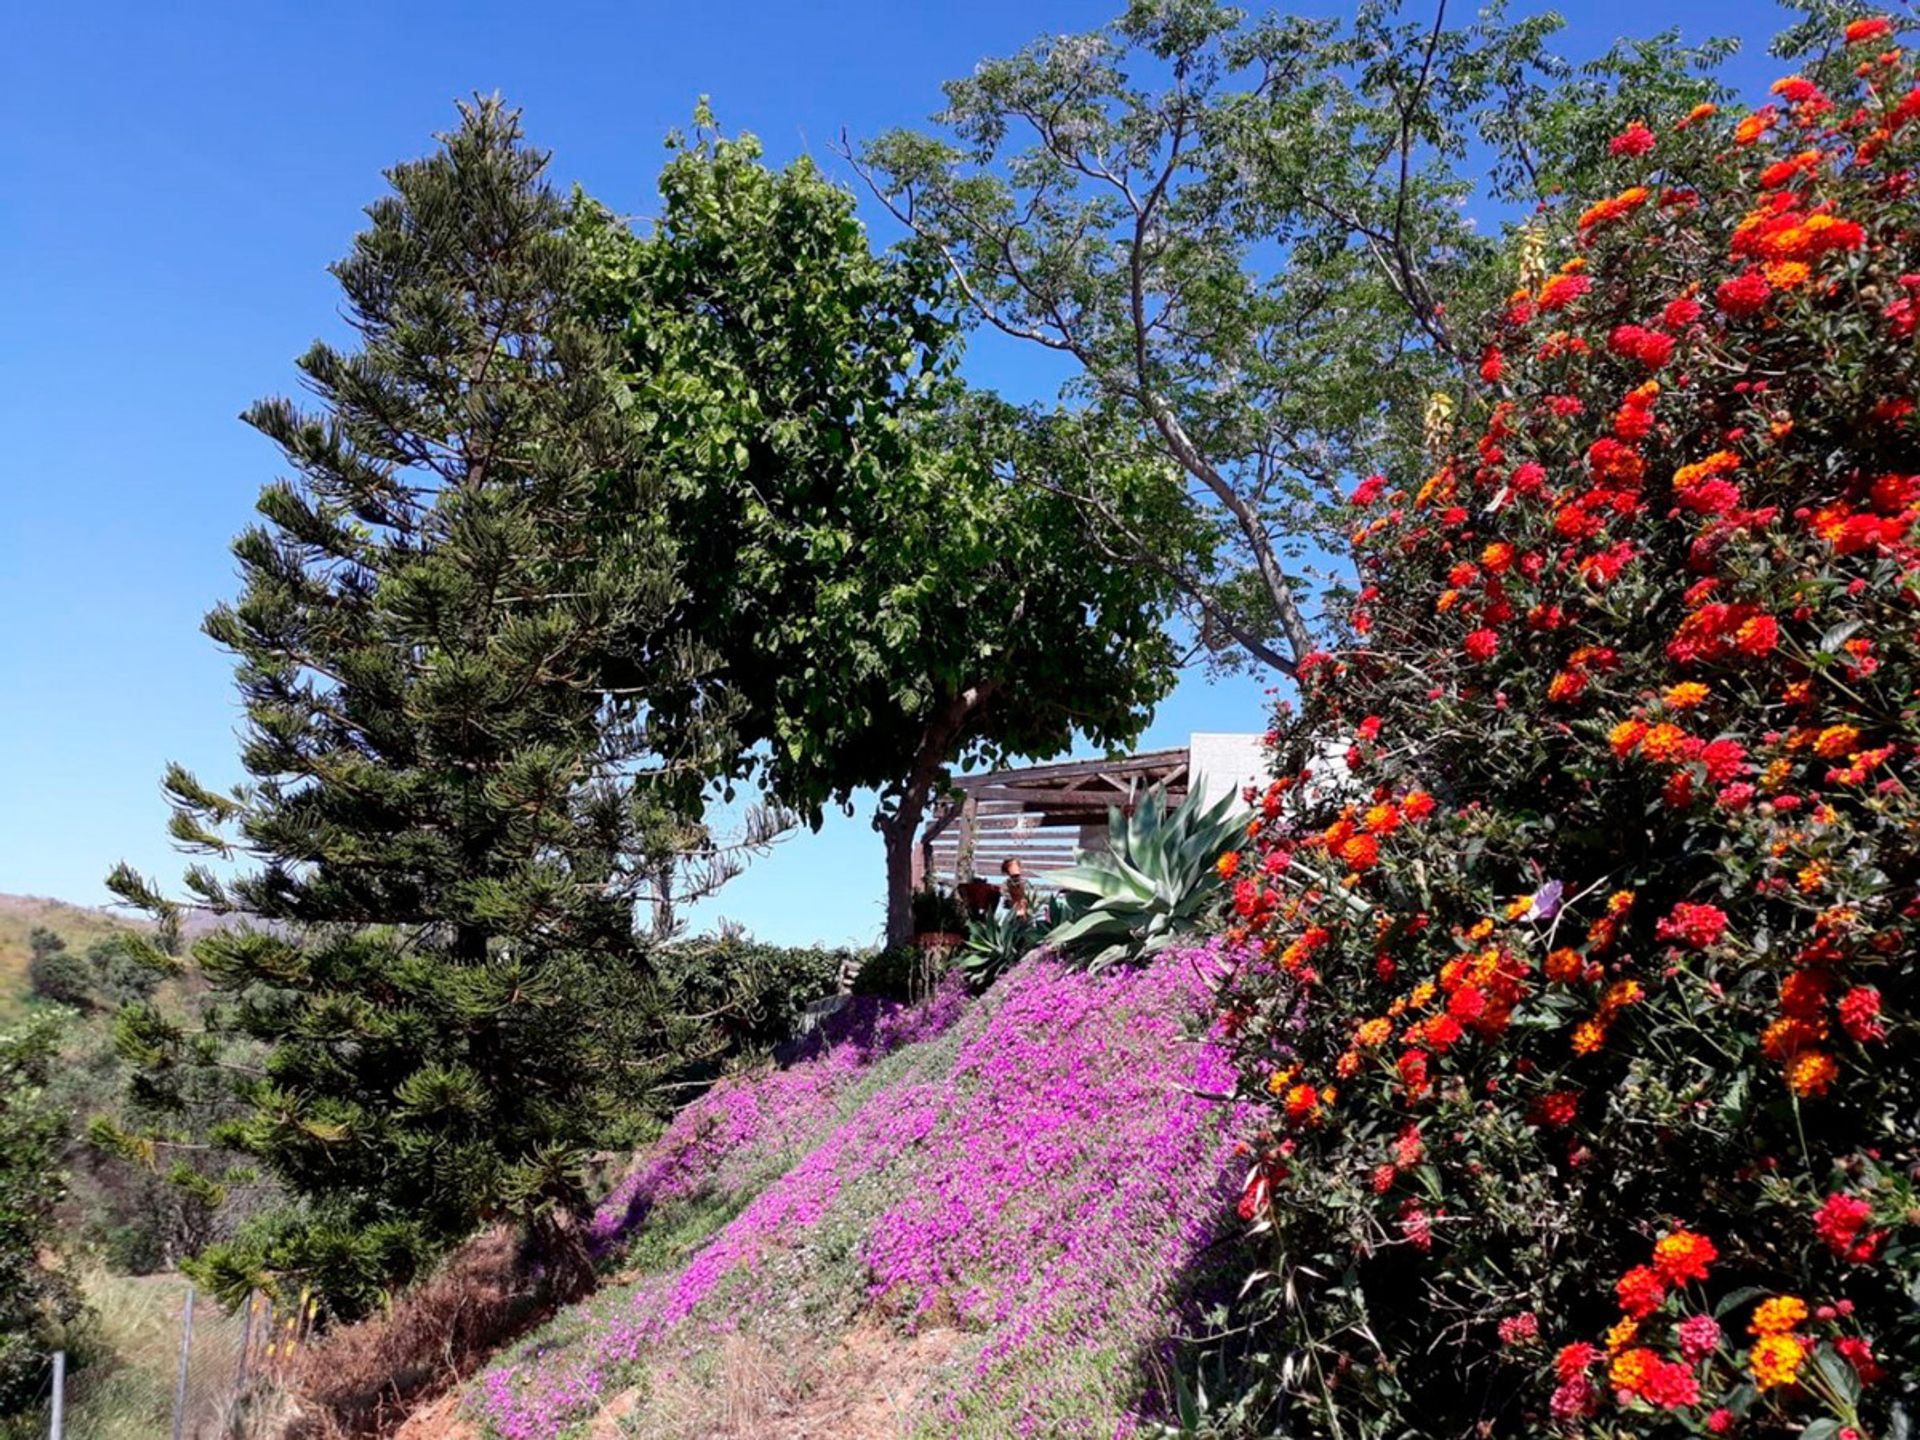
78	925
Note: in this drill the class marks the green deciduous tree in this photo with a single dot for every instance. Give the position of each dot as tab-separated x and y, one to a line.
38	1300
452	621
887	598
54	971
1250	240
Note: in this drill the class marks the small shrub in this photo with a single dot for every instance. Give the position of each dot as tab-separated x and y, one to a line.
995	945
938	912
754	992
901	972
40	1306
62	977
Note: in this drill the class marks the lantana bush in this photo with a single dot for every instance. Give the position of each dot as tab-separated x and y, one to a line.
1584	1006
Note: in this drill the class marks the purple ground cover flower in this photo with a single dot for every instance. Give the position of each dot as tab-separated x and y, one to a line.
1047	1180
744	1117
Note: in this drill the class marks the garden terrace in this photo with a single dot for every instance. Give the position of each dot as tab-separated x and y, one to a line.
1042	815
1046	815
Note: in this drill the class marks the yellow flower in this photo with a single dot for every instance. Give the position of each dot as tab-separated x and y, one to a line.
1811	877
1519	907
1423	994
1627	734
1619	903
1374	1032
1630	1368
1775	1360
1777	1315
1836	741
1776	774
1481	929
1786	274
1620	993
1588	1036
1686	695
1623	1334
1663	742
1811	1072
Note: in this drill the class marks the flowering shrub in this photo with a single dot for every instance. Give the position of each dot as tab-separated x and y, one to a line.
1028	1178
1585	1001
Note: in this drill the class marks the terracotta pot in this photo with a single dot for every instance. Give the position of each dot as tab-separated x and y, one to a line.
982	897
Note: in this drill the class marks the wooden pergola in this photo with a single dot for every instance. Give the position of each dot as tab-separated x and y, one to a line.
1042	816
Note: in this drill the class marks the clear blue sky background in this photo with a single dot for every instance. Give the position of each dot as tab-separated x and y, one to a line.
174	180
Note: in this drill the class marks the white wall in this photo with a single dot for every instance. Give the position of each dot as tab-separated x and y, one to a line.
1225	764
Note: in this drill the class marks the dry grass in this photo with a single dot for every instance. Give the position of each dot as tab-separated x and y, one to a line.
76	924
364	1379
745	1391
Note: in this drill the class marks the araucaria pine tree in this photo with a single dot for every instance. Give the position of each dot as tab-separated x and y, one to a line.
452	619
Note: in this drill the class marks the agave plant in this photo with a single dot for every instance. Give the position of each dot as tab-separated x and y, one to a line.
1152	885
995	944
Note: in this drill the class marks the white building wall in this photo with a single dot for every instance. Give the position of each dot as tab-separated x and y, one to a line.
1225	764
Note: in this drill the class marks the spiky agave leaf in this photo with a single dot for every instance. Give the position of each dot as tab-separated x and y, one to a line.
1154	883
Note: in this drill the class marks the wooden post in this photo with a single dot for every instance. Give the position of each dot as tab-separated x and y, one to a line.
186	1354
942	816
58	1429
969	838
246	1334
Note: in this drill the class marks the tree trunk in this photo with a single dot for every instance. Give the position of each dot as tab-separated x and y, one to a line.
896	833
897	830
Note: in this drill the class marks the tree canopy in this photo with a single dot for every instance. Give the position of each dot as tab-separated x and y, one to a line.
451	616
884	595
1249	237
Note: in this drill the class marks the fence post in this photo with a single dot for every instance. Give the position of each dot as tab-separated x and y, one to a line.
59	1425
186	1352
246	1336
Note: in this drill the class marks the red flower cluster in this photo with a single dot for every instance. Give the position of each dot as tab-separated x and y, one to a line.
1691	925
1841	1223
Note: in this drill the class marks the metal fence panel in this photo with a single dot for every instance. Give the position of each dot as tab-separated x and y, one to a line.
205	1374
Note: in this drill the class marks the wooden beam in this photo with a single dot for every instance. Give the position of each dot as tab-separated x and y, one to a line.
1144	762
1029	796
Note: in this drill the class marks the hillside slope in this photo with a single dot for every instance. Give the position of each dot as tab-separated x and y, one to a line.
969	1219
19	914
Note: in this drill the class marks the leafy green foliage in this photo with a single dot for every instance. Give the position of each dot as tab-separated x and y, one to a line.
938	911
750	992
109	975
1250	238
55	972
451	624
884	598
995	945
38	1300
1155	883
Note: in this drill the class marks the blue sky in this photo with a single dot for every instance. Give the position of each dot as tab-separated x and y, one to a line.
174	180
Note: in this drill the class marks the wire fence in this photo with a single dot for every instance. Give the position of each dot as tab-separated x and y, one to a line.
192	1371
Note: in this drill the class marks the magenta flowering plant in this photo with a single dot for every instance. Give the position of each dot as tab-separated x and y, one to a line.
1045	1173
